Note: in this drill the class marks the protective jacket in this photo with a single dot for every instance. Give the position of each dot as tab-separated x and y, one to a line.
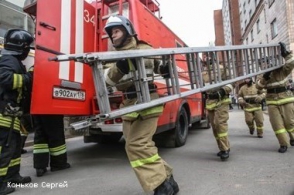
277	93
212	104
252	96
15	88
125	82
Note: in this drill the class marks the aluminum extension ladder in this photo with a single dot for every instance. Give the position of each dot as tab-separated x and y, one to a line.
240	62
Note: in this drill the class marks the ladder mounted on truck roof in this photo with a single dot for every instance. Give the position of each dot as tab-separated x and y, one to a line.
239	62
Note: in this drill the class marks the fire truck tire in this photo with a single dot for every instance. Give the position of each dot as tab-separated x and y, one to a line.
109	138
181	129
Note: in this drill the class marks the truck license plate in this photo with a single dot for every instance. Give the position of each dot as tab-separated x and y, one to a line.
68	94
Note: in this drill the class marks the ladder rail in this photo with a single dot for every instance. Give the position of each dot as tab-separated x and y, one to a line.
117	55
156	102
239	63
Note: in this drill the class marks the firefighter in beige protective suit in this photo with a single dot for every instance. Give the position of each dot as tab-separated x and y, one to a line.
217	104
151	170
280	100
250	98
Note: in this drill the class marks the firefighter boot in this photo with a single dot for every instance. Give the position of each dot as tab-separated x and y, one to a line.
18	179
292	142
174	184
4	189
224	155
283	149
66	166
219	153
251	131
41	172
164	189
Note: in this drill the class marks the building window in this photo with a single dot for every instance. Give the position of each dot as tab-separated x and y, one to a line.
250	14
270	2
258	26
245	23
248	1
247	41
244	8
252	36
255	3
274	28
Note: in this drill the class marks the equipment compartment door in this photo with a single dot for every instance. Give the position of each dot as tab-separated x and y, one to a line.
63	27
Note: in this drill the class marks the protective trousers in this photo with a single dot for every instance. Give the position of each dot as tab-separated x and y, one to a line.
151	170
282	121
49	141
219	122
257	117
9	155
25	126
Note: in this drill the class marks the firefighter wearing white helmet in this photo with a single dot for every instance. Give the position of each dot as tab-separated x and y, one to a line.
15	90
151	170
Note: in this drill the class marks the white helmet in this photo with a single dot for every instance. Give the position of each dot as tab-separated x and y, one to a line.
114	21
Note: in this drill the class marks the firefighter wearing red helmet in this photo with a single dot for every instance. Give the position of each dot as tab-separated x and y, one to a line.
15	89
280	100
250	98
139	127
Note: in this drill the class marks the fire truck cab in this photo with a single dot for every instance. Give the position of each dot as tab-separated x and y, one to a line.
74	26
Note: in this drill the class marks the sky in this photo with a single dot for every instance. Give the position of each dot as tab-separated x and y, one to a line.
191	20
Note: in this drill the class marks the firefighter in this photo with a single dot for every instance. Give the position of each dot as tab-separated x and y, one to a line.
15	82
251	98
217	105
280	100
151	170
49	144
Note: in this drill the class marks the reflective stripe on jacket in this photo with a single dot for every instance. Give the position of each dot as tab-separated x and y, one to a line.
278	79
250	93
5	121
212	104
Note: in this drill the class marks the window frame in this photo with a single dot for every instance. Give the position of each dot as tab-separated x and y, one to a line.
274	28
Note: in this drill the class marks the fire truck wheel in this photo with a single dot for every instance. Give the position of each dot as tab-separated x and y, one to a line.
108	139
181	129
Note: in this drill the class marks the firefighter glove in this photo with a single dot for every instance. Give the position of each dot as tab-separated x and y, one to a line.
266	75
124	66
258	99
164	71
284	51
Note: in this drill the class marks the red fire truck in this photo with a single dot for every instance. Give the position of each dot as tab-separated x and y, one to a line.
76	26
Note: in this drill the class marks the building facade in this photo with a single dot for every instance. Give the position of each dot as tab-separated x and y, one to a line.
267	21
12	16
260	22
